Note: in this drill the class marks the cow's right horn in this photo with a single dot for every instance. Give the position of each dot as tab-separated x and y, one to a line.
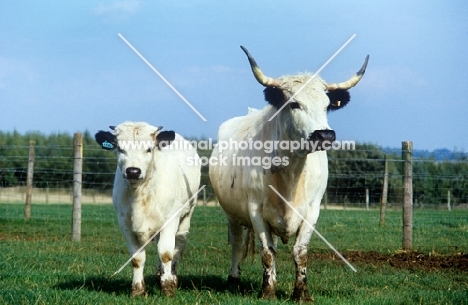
352	81
261	78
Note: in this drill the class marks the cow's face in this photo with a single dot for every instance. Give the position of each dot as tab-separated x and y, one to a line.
302	102
135	144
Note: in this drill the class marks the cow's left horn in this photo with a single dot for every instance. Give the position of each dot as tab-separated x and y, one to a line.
261	78
352	81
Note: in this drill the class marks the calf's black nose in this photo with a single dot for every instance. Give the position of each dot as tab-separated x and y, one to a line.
133	173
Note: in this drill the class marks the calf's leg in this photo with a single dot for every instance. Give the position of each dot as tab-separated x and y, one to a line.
138	264
166	246
180	239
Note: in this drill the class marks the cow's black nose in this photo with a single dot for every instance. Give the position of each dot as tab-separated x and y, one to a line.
321	139
133	172
323	135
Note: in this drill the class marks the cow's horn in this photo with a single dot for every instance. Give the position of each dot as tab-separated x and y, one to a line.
261	78
352	81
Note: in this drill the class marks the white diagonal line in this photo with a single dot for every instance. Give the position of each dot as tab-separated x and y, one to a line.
162	77
157	232
313	228
314	75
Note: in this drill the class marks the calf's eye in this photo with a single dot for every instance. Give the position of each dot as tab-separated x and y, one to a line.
148	150
294	105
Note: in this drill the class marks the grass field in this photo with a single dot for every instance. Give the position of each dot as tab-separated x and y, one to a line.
40	265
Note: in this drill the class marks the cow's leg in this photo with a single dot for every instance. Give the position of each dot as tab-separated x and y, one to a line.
301	291
236	241
268	262
275	245
268	252
166	245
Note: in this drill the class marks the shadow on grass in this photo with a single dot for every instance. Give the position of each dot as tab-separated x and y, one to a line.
97	283
213	283
245	288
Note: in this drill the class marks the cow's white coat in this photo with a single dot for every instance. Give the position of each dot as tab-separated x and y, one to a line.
244	192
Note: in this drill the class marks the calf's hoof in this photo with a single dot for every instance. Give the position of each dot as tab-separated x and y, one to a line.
168	288
138	290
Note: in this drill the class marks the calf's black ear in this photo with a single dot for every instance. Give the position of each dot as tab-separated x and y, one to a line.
338	99
165	138
106	139
274	96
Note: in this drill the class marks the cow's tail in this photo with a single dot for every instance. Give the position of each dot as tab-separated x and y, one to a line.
249	244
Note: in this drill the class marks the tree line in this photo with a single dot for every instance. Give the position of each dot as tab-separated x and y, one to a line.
351	172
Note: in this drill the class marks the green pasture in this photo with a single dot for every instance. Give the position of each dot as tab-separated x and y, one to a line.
40	265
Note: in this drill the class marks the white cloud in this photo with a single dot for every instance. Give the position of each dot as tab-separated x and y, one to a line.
13	71
397	83
200	75
390	78
117	10
212	69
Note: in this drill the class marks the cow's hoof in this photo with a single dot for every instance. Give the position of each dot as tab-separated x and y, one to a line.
301	294
233	281
168	288
158	278
268	293
138	290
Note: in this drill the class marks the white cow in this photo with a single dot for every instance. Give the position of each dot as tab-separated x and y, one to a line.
153	180
243	172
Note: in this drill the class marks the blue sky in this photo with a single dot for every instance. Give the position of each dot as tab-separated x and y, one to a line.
63	67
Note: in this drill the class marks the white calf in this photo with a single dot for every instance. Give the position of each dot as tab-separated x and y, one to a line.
153	180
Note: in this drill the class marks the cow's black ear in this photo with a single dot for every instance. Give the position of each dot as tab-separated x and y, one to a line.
274	96
338	99
165	138
106	139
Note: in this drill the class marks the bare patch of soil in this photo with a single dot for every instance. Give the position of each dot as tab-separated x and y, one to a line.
402	260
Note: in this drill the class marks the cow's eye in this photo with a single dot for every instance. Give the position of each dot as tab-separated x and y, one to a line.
148	150
120	150
295	105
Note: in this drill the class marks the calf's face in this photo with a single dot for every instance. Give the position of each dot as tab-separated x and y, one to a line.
135	144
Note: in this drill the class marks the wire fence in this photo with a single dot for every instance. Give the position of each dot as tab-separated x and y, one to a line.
355	184
355	178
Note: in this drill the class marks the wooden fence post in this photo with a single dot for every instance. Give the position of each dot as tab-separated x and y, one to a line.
367	199
449	207
204	196
383	203
77	178
29	181
325	200
407	156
